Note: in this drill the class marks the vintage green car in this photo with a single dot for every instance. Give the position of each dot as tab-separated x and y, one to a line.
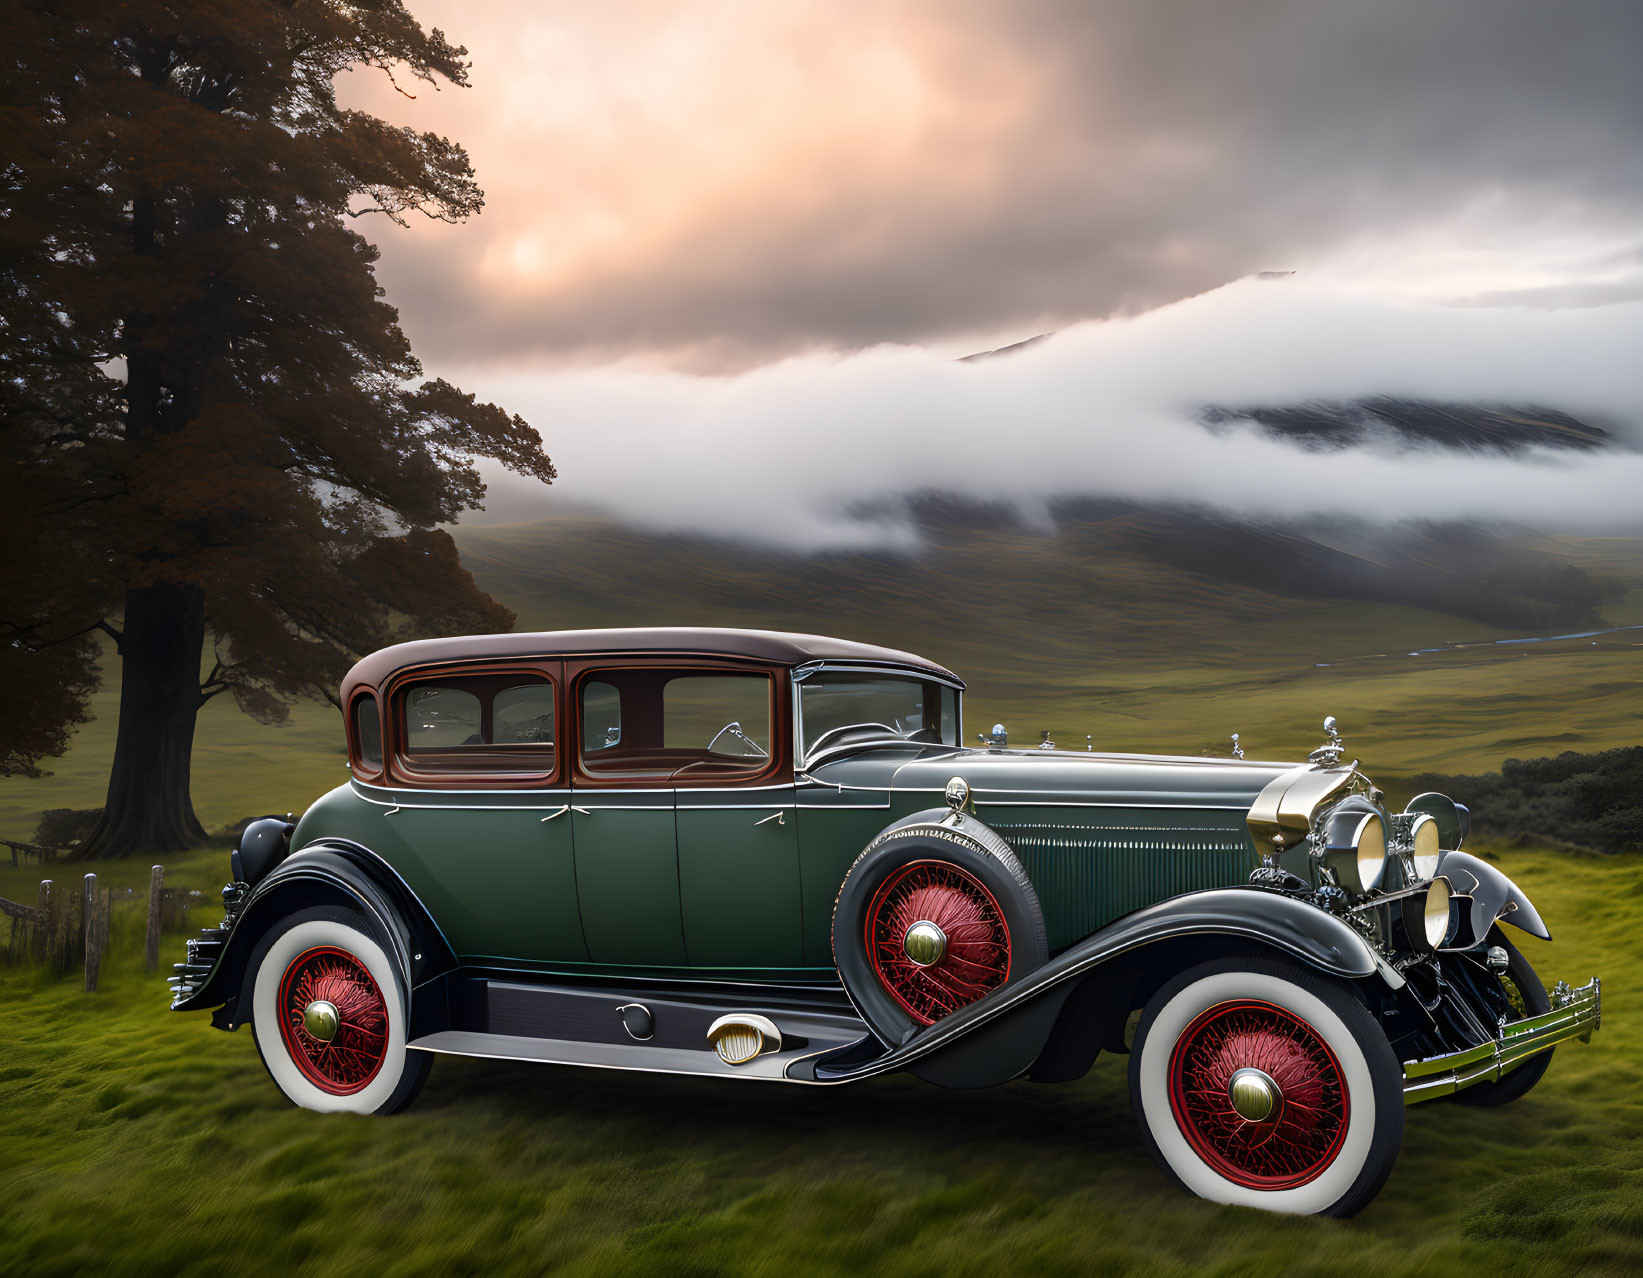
771	856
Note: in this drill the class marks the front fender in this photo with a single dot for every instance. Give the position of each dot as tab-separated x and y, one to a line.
331	871
1494	897
1248	914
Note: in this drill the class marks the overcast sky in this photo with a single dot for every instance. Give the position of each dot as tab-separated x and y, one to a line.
709	188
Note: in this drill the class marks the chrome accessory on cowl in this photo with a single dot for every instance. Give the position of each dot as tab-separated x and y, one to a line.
1329	753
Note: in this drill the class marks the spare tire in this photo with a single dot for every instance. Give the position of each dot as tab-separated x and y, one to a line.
932	917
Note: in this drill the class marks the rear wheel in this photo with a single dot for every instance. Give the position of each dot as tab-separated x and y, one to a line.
327	1012
1260	1083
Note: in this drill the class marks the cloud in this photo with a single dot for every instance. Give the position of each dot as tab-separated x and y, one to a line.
785	454
713	184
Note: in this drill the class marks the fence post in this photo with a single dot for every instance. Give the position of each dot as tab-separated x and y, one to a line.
42	925
88	917
151	945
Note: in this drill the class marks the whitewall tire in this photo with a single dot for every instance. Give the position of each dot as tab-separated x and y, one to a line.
328	1014
1260	1083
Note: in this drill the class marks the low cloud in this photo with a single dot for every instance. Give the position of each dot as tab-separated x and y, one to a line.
786	453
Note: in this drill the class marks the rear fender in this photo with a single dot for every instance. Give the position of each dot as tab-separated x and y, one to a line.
329	872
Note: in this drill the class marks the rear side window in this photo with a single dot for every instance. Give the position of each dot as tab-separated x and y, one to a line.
478	724
368	733
438	716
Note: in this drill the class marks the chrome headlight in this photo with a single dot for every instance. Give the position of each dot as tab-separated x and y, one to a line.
1426	838
1355	848
1426	916
1452	818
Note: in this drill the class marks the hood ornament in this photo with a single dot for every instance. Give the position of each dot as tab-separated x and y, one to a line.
1044	742
1237	750
1328	755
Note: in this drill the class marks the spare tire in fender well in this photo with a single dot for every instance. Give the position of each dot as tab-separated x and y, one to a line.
981	858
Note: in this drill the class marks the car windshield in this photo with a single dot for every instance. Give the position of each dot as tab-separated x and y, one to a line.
838	708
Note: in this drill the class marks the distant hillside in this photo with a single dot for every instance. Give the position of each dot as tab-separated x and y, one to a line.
1469	427
1162	630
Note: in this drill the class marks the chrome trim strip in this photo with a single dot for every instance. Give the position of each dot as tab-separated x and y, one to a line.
459	807
1578	1014
1086	803
361	787
801	672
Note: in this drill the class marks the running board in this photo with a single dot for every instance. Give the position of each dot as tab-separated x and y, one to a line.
614	1029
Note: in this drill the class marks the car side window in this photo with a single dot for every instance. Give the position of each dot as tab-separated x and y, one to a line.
438	716
658	726
601	716
478	724
523	715
726	715
368	733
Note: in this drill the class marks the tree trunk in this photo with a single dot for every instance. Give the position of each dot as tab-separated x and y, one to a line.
149	808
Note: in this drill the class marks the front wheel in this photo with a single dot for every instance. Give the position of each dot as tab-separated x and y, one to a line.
327	1012
1260	1083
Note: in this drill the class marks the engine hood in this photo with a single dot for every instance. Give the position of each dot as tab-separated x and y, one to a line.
1070	776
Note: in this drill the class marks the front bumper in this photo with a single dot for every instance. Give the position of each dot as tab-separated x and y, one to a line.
1574	1014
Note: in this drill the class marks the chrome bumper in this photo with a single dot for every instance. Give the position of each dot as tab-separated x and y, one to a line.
1574	1014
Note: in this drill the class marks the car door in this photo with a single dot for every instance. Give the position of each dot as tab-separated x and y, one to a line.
739	878
709	736
478	790
626	852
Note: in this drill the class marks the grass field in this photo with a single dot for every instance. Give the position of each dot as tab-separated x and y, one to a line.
138	1141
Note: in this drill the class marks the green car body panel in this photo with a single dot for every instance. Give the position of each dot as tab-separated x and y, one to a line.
743	881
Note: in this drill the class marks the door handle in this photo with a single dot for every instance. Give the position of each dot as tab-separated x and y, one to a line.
780	818
563	810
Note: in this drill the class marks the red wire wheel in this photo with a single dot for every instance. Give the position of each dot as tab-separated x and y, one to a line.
1300	1137
358	1044
975	958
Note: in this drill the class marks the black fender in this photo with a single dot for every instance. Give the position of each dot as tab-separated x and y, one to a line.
327	872
1255	918
1493	897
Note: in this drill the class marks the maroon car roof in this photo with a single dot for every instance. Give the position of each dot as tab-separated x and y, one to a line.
773	646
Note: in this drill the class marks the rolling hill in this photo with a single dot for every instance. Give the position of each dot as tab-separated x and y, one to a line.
1138	629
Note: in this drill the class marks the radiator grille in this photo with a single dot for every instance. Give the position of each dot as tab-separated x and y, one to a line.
1088	875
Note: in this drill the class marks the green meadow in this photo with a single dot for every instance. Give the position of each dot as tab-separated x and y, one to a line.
134	1140
144	1142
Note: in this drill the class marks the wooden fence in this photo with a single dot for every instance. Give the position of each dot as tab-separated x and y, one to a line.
67	929
36	851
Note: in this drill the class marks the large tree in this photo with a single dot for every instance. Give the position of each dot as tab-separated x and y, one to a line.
215	432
